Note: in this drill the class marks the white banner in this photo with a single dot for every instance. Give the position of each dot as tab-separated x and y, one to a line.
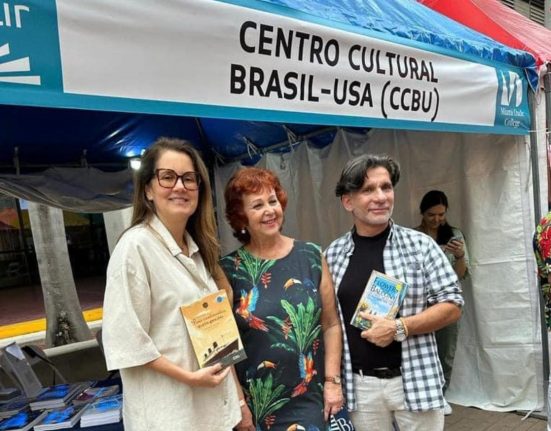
209	52
252	60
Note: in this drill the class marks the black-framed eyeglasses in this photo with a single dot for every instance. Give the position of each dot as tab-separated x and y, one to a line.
168	178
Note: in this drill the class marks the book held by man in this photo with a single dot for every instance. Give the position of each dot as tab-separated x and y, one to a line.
383	295
213	331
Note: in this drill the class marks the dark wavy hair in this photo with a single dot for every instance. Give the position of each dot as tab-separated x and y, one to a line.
201	225
246	181
354	172
431	199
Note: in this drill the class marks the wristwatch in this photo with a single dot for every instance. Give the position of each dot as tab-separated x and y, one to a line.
333	379
400	331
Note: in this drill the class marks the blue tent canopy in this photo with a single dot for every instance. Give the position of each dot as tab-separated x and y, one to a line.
416	24
52	124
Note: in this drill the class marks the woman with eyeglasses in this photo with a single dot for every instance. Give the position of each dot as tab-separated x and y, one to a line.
167	258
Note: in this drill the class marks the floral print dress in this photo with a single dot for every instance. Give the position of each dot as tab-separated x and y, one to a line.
277	306
542	251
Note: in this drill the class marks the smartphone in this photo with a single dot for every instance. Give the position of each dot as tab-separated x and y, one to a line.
455	238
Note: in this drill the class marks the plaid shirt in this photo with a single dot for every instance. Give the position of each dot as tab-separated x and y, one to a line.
415	258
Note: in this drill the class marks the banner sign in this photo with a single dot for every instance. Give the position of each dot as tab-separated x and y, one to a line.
245	59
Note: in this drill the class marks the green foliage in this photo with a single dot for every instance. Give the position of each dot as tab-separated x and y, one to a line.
254	267
313	254
265	398
304	328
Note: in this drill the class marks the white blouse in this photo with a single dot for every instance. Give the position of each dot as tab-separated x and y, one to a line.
146	285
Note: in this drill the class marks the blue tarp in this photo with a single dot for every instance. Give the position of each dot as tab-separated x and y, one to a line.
55	137
407	21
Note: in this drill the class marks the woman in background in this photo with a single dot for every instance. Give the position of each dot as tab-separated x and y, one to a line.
153	271
285	308
433	208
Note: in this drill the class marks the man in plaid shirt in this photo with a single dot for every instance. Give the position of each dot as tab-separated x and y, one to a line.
390	371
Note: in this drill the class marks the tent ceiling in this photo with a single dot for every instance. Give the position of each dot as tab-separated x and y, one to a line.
49	127
70	137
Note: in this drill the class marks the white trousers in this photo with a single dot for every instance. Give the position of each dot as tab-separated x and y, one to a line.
380	401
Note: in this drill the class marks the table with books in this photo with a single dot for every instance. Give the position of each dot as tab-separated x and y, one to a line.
93	406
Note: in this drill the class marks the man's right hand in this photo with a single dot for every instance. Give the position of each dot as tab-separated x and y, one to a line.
382	330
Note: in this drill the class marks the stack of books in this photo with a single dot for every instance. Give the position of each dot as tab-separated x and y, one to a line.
8	394
102	411
24	420
65	417
57	396
13	407
91	394
61	407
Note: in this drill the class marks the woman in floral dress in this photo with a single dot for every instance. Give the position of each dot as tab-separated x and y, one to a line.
285	308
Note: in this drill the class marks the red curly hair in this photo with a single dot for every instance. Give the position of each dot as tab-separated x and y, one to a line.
246	181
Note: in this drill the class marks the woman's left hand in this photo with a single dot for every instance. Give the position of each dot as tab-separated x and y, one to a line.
246	423
332	399
456	248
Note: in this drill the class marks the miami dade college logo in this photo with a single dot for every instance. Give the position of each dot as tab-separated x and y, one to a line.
511	86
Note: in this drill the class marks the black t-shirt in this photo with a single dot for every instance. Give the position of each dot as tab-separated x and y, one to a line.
367	256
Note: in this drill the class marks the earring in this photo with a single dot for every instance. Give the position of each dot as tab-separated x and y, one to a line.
243	231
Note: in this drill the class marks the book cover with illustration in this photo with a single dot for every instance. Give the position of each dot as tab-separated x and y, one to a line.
213	331
64	417
383	295
57	396
102	411
91	394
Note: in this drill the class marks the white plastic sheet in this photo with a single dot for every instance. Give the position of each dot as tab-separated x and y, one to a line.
488	182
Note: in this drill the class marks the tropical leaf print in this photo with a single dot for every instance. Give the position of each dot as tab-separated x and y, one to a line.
254	268
265	398
304	321
313	253
284	327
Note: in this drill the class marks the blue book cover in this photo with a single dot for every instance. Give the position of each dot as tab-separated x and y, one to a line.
91	394
104	405
54	392
13	406
383	295
22	421
57	396
340	421
64	417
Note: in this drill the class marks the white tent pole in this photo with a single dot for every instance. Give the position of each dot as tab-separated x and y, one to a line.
537	216
534	157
